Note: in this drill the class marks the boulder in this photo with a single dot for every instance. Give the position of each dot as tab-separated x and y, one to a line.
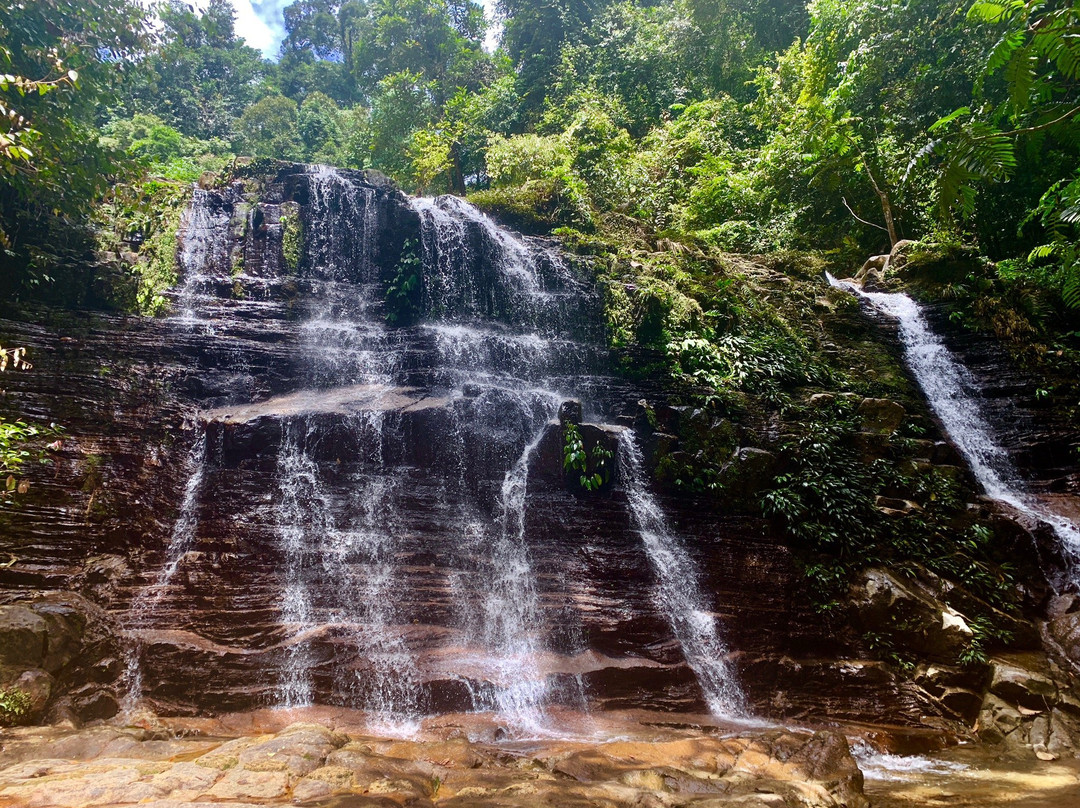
23	636
880	415
909	616
748	473
59	651
1028	709
570	412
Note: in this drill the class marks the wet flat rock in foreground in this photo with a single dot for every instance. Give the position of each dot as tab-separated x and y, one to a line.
310	763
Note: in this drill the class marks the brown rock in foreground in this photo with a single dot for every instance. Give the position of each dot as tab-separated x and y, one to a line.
310	763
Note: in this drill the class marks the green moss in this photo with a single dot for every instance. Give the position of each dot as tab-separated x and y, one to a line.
537	206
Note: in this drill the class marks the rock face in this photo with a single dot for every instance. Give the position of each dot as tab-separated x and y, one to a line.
343	482
58	651
309	762
1030	705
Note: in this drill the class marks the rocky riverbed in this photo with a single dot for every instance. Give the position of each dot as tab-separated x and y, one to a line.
330	757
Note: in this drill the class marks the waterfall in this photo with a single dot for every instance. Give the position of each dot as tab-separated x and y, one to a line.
381	454
678	594
146	600
304	518
342	552
511	609
204	248
953	395
477	272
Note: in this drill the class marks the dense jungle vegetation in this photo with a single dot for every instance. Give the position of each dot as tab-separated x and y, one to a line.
743	125
664	140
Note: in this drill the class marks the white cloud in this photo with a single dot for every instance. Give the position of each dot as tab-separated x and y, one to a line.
261	25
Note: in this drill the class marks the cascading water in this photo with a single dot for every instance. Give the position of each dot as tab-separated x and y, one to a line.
181	541
478	274
953	396
343	552
677	591
381	455
205	247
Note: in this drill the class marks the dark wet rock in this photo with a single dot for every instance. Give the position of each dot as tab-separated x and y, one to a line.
1030	705
56	650
570	412
23	637
883	603
137	395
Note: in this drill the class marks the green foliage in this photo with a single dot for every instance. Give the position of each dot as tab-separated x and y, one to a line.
405	290
268	129
320	128
292	238
826	505
593	467
402	105
21	442
61	62
137	228
198	76
15	706
827	502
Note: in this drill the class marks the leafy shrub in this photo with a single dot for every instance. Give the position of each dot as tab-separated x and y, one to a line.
15	706
404	292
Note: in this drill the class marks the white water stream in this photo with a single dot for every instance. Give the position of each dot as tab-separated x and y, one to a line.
678	593
503	322
953	395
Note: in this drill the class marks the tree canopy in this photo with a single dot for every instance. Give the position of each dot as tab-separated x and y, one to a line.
742	124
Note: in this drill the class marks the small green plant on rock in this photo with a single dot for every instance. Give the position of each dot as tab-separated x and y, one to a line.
592	466
292	237
15	706
403	292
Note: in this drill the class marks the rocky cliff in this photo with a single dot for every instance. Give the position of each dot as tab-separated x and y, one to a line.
339	474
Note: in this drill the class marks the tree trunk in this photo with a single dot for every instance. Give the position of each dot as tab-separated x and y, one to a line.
886	209
457	178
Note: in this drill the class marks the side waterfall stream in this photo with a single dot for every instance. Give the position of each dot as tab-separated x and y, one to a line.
953	395
513	331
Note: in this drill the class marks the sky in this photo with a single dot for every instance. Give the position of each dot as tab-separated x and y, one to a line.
261	24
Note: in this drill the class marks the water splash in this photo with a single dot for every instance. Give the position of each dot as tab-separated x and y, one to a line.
953	395
339	574
677	591
511	607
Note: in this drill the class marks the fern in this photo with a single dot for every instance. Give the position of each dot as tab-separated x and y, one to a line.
1070	293
984	11
1004	50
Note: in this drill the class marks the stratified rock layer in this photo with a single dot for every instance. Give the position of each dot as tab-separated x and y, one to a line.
253	367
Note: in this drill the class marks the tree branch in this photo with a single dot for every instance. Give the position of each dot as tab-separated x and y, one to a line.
1028	130
859	219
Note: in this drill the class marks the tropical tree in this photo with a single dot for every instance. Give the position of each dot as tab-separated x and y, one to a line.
268	129
62	62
